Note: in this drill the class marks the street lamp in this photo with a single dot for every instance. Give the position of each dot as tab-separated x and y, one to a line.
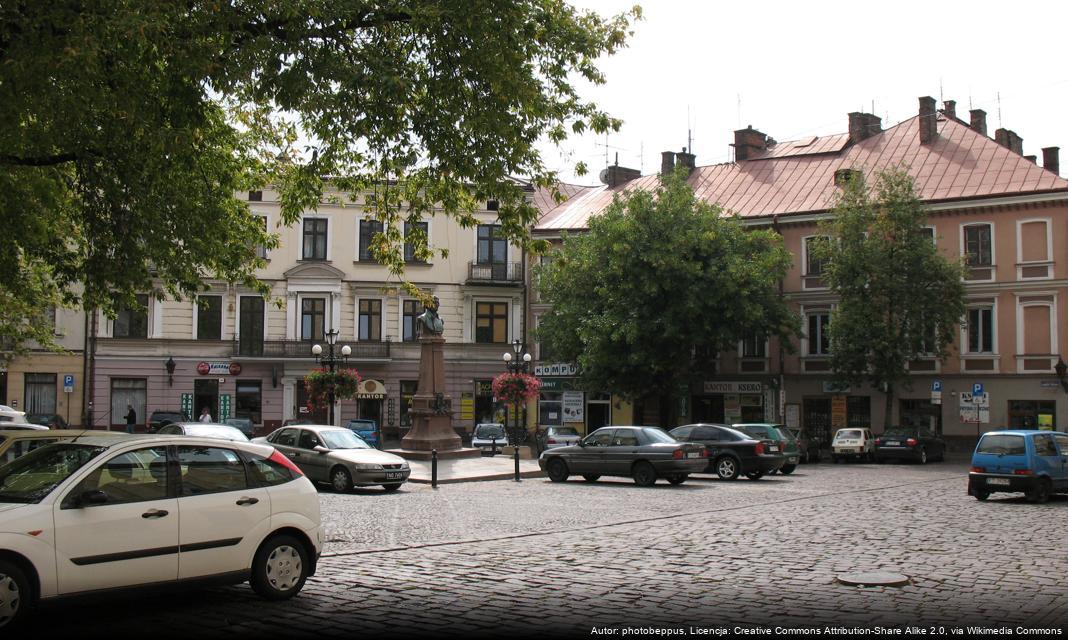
331	361
517	363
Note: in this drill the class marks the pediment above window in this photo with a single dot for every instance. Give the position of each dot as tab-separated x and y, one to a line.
314	271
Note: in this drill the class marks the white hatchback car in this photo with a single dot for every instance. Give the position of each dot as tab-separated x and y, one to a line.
112	512
855	443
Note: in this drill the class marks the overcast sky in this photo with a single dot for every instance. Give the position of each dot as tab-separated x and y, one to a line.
793	69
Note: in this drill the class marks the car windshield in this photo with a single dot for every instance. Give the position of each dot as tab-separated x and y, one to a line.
848	434
30	478
215	431
657	435
1002	445
489	431
342	439
564	431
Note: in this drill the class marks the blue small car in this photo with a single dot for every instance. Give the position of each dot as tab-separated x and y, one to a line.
1032	462
366	429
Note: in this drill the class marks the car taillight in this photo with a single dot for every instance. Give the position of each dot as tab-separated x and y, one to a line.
878	441
285	462
978	469
1023	472
704	453
677	454
911	442
759	449
782	445
551	441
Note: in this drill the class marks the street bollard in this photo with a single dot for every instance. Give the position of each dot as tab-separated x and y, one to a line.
493	446
515	449
433	468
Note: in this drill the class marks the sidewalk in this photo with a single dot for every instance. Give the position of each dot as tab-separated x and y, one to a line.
496	467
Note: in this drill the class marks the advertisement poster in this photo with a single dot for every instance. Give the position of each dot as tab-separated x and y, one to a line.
838	412
573	406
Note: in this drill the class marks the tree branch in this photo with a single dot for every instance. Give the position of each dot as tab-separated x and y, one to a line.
39	161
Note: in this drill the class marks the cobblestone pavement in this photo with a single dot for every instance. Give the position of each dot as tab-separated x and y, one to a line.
542	559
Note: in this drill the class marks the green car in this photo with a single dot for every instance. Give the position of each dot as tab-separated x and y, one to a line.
769	431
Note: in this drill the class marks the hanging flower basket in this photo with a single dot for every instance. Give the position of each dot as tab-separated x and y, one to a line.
344	382
516	388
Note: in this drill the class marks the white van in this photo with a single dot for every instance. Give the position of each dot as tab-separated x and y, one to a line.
854	443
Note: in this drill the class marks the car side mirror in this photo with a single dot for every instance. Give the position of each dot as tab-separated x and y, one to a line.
320	449
583	443
91	497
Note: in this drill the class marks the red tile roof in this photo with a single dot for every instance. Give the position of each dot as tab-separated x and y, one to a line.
795	179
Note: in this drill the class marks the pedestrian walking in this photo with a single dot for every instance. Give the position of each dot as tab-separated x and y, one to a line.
205	415
131	418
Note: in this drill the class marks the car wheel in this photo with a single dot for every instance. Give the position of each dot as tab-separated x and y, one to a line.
755	475
16	595
980	495
787	469
557	470
1041	491
727	468
643	473
591	477
923	455
678	478
340	479
280	568
390	488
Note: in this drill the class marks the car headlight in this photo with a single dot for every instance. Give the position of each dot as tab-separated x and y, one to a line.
363	466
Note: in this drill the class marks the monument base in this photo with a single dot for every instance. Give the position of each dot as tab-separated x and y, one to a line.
449	454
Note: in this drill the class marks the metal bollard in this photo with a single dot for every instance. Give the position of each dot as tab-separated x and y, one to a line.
515	449
493	446
433	468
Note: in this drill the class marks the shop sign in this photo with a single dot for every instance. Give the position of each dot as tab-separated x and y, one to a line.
1045	421
467	405
219	368
573	406
713	386
484	387
224	407
370	390
187	404
556	384
833	387
556	369
838	412
974	408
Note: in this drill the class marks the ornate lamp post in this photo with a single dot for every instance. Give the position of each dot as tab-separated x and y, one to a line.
517	363
331	361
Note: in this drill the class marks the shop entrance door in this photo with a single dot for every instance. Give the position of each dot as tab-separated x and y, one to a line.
205	394
708	409
370	410
816	420
316	415
598	414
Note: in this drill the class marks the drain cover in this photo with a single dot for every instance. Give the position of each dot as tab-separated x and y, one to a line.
873	579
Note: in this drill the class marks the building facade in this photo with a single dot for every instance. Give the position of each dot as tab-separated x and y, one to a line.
46	383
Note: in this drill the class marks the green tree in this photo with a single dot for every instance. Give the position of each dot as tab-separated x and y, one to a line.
660	284
899	299
127	127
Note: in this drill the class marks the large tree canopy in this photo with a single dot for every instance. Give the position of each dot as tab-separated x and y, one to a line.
127	127
659	285
899	299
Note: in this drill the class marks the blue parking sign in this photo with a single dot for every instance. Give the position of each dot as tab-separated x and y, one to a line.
936	385
977	389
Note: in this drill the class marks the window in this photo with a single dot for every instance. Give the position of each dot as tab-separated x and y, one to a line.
754	346
22	446
135	476
492	248
308	440
410	310
858	411
368	229
286	438
491	322
132	323
419	229
1032	414
493	205
315	238
981	330
1044	446
261	251
407	391
977	245
132	392
209	318
551	409
312	318
40	393
210	470
370	320
50	319
248	400
813	265
255	196
268	473
928	233
819	340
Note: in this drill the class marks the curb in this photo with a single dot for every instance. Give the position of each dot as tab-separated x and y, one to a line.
496	476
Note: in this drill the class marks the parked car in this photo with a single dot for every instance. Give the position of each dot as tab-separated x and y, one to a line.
909	443
14	443
642	453
163	418
204	430
189	509
732	453
553	437
293	421
489	437
22	426
1028	461
853	443
366	429
244	425
340	457
50	420
9	415
809	445
769	431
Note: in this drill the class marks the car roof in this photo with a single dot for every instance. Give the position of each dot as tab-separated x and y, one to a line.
315	427
50	433
1022	432
190	423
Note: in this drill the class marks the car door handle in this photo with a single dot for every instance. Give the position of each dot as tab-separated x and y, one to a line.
244	501
154	513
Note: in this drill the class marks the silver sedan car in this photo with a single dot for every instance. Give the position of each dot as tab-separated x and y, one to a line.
338	456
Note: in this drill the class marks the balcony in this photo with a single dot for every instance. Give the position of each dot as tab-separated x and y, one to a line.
302	349
508	273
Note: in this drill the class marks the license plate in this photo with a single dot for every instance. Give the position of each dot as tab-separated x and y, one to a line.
893	444
394	475
773	448
693	454
792	460
1003	482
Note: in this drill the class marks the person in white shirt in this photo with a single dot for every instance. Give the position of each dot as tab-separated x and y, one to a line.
205	416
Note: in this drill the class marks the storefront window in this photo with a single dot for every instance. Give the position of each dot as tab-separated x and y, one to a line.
128	391
249	400
407	392
551	409
858	411
1032	414
40	393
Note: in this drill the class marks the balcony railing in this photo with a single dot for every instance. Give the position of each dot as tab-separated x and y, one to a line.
302	349
498	272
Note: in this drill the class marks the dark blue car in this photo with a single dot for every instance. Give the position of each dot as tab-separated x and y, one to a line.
1034	463
366	429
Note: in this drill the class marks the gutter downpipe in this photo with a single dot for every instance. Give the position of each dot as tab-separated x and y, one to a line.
780	407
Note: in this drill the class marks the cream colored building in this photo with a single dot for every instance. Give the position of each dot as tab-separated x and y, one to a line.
35	382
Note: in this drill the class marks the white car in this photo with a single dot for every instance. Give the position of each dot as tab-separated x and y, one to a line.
9	415
490	437
114	512
855	442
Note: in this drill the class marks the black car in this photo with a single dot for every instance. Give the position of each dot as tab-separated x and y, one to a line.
163	418
910	443
642	453
731	452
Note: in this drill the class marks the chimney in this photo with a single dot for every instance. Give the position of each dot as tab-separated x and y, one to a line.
667	163
616	175
978	121
687	160
1009	140
863	126
949	107
748	143
1033	159
1051	159
928	120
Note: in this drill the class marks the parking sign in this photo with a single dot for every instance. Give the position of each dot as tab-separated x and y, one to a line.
977	389
936	385
68	383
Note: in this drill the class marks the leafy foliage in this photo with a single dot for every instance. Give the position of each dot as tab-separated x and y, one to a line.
660	284
127	127
898	297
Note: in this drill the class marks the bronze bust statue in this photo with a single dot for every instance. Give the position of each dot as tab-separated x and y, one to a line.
429	321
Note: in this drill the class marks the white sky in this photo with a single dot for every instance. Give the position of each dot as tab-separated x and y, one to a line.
793	69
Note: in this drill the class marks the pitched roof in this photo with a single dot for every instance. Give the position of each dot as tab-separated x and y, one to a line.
794	178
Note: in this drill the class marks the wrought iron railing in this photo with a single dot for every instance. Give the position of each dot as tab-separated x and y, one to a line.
504	272
302	349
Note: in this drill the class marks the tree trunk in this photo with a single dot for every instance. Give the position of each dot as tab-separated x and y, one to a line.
888	414
668	411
